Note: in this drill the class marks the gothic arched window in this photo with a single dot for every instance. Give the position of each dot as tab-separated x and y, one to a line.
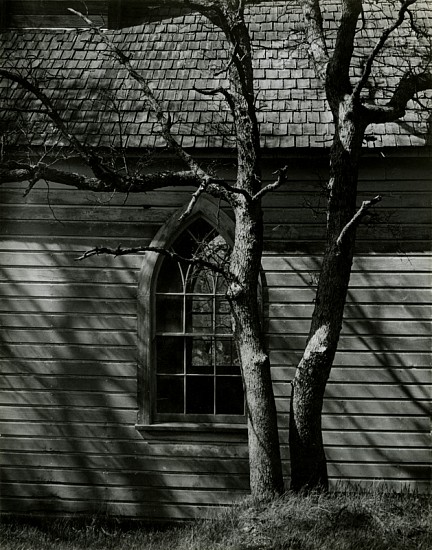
197	369
189	365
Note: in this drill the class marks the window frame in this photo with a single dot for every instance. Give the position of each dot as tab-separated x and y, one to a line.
148	421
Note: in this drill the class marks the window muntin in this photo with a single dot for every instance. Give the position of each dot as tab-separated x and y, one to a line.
196	364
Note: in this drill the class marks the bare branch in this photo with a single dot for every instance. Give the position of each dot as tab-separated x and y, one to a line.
107	179
337	79
119	251
100	170
195	196
51	111
33	181
18	171
379	46
234	190
408	87
205	180
315	36
231	61
164	119
416	28
356	219
272	186
219	90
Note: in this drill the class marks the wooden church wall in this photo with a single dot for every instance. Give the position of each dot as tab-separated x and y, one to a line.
52	13
68	348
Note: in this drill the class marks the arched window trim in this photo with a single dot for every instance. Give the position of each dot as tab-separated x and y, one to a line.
209	210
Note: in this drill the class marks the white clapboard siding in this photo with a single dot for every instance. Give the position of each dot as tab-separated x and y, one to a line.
68	385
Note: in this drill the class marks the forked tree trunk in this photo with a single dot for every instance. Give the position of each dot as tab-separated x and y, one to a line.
266	478
308	461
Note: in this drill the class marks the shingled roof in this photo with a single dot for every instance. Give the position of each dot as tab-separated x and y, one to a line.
178	51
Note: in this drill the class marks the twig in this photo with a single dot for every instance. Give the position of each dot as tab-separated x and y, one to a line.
119	251
50	205
378	47
163	118
50	111
195	196
272	186
225	69
99	169
356	219
220	90
32	183
416	28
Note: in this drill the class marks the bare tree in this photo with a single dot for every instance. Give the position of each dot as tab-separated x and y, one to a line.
244	198
354	109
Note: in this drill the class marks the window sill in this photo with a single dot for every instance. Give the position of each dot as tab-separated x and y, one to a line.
191	430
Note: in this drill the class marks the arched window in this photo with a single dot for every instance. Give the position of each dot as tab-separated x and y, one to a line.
189	368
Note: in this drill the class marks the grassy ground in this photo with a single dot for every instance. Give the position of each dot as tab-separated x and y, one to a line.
351	521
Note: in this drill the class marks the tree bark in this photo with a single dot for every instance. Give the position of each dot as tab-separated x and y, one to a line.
308	461
266	478
351	117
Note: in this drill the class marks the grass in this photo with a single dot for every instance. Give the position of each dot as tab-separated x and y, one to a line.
335	521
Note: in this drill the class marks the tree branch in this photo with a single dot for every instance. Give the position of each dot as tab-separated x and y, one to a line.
379	46
416	28
234	190
219	90
18	172
119	251
164	119
356	219
231	61
409	85
337	79
100	170
195	196
272	186
107	179
315	36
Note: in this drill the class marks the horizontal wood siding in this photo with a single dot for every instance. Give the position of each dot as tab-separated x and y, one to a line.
68	349
52	13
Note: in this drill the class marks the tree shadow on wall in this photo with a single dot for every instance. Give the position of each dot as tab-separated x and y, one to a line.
387	399
69	385
376	408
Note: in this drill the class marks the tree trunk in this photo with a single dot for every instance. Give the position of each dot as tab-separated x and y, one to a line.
266	478
264	453
308	461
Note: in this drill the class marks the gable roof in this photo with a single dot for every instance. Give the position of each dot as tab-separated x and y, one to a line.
180	51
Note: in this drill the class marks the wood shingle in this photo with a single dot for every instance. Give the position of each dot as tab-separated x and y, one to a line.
177	52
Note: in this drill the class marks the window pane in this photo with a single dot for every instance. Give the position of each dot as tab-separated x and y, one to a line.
199	314
191	302
170	355
169	313
221	285
216	249
229	395
226	356
200	281
169	279
202	231
170	394
199	356
223	316
191	240
199	394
